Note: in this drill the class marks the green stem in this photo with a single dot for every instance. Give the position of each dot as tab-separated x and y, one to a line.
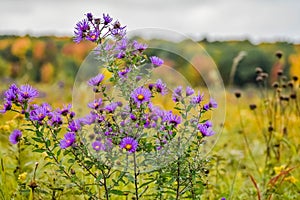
135	178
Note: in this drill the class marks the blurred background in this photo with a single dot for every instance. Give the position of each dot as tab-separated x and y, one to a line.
36	36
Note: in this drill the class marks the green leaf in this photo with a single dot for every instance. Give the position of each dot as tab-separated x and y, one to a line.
48	143
39	150
116	192
39	140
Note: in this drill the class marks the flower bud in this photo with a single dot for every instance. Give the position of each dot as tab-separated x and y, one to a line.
278	54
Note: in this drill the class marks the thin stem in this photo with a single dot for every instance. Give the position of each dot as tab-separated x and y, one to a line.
246	140
135	178
105	185
178	179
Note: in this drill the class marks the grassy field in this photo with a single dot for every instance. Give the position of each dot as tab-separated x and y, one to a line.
256	155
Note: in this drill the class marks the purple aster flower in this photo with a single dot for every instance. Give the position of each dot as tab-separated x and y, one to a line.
129	143
80	30
90	119
97	145
177	94
95	81
74	125
121	55
211	104
65	110
123	73
161	87
141	95
39	113
69	140
15	136
107	19
197	99
138	46
111	107
171	118
122	45
55	119
156	61
118	30
95	104
93	35
133	117
11	93
6	106
27	93
89	16
189	91
108	47
205	130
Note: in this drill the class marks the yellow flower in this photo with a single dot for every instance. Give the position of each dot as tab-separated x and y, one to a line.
279	169
22	177
291	179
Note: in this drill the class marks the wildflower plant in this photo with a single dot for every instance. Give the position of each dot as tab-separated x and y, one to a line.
126	145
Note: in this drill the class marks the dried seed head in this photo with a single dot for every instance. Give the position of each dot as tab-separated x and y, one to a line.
291	84
278	54
293	96
275	85
252	106
264	75
259	79
270	128
283	85
295	78
279	72
258	70
237	94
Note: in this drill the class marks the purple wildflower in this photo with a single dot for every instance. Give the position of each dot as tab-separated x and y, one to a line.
55	119
141	95
118	30
121	55
156	61
93	35
122	45
95	81
197	99
129	143
177	94
80	30
95	104
161	87
171	118
11	93
6	106
138	46
26	93
107	19
123	73
97	146
69	140
90	119
74	125
15	136
39	113
211	104
189	91
206	129
89	16
65	110
111	107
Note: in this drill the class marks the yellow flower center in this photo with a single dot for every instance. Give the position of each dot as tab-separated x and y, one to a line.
97	147
128	147
140	97
93	37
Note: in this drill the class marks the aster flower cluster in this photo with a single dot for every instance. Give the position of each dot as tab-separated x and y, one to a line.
131	126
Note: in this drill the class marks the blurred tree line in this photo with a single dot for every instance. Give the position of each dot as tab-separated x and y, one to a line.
50	59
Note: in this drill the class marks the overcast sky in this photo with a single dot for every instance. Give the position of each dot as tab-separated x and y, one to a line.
258	20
